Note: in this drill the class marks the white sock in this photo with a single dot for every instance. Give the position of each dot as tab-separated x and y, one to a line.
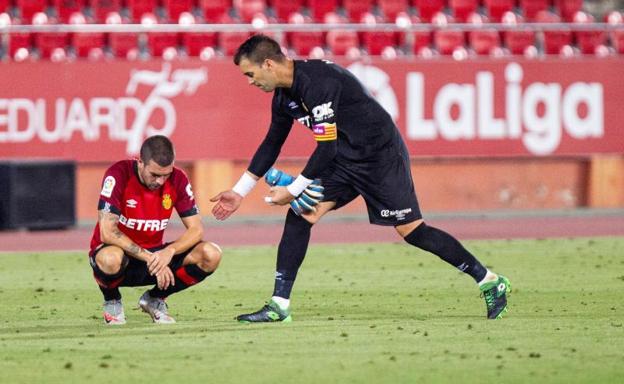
489	277
282	302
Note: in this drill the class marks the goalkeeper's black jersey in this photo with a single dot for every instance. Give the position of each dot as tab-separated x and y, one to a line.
347	122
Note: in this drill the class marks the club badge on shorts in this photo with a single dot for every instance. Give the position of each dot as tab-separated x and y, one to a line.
166	202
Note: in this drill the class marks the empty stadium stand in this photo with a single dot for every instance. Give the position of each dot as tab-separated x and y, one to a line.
404	27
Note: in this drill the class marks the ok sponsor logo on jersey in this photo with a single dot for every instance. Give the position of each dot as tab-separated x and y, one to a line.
144	225
323	112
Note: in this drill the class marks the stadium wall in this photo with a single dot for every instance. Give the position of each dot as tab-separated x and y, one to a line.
484	134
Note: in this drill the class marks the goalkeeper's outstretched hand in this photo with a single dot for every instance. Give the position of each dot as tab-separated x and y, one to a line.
307	201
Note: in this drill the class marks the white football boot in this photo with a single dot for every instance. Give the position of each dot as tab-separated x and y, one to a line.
114	312
156	308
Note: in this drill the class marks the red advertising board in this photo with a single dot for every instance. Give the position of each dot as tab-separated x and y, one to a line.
101	111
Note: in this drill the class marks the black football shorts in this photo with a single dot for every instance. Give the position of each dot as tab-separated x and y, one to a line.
385	183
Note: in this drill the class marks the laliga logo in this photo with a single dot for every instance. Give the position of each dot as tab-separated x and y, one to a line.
125	118
538	115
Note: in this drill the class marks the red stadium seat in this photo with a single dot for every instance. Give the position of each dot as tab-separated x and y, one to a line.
484	41
616	36
302	43
392	8
428	8
284	8
101	8
214	11
530	8
28	8
123	44
461	9
447	40
85	43
158	42
376	41
247	9
421	40
412	41
588	41
340	42
47	42
554	40
497	8
19	40
517	41
4	5
195	42
65	8
617	40
357	8
138	8
230	41
568	8
319	8
176	7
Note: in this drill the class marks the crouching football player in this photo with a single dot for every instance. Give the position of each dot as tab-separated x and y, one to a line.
127	249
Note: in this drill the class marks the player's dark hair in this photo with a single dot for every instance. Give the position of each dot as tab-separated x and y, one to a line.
158	148
258	48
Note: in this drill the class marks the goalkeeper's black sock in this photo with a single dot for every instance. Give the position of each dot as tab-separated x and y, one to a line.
290	253
185	277
447	248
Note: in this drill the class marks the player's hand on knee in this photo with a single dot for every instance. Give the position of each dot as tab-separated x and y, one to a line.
159	261
165	279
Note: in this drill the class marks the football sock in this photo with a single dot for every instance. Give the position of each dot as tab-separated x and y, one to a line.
447	248
290	253
109	283
110	293
489	276
283	303
185	277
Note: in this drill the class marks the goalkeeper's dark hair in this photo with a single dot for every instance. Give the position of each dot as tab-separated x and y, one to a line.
258	48
158	148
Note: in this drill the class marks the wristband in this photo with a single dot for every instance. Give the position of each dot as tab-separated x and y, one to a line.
244	185
299	185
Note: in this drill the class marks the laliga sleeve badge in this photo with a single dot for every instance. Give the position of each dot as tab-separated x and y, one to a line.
109	185
166	202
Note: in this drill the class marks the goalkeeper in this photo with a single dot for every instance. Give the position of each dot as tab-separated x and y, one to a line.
359	152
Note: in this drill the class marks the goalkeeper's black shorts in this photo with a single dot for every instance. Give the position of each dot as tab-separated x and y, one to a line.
385	183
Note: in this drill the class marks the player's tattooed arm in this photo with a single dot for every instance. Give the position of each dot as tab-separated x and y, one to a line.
111	234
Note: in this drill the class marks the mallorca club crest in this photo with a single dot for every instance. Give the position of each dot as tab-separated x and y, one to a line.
166	201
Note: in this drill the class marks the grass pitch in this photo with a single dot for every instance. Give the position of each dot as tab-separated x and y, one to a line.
383	313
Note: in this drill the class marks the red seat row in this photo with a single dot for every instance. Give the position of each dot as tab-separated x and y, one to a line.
213	10
444	42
